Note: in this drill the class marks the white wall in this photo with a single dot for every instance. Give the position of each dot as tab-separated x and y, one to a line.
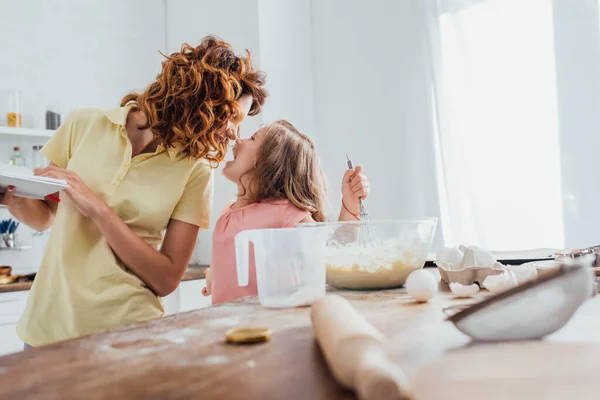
372	90
353	74
235	21
64	53
285	40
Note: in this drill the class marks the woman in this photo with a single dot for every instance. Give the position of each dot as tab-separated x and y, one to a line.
141	183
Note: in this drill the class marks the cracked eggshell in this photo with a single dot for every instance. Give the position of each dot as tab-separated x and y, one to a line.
524	273
500	283
449	258
459	290
477	257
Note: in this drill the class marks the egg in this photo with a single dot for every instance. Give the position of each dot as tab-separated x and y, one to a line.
421	285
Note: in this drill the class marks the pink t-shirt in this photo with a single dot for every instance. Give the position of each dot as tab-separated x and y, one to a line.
266	215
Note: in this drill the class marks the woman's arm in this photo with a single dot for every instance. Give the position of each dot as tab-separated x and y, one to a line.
36	214
160	270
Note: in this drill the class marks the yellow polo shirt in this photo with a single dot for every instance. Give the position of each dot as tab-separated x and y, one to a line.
82	287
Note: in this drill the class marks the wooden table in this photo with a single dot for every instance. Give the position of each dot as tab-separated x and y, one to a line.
184	356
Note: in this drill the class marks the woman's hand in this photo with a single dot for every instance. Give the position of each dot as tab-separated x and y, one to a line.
355	186
9	199
85	200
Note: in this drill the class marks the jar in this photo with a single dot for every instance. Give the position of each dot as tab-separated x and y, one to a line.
14	117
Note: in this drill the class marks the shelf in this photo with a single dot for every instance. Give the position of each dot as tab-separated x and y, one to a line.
8	131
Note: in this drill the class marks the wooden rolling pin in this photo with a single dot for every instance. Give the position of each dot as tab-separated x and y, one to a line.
355	351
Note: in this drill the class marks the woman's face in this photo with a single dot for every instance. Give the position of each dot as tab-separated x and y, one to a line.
231	132
244	156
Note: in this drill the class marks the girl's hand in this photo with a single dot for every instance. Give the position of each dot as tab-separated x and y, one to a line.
208	288
355	185
85	200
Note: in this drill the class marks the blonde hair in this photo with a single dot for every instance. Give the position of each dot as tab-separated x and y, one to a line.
288	168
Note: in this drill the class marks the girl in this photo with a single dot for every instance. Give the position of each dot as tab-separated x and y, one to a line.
280	184
141	184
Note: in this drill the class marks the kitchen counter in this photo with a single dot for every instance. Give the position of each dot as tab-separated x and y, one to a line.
194	271
17	286
184	356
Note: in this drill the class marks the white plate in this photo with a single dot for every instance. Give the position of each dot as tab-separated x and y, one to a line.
32	187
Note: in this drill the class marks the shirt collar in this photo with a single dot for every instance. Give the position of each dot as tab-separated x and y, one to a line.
118	116
173	151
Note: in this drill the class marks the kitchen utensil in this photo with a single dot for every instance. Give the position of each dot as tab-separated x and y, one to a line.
247	335
538	370
355	351
531	310
8	232
578	253
289	264
367	233
401	248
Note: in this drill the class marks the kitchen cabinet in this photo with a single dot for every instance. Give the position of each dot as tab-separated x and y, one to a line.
191	297
12	305
188	296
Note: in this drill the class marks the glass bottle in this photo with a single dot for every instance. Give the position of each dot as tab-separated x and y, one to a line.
38	160
17	159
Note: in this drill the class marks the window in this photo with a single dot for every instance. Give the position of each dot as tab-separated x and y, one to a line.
496	104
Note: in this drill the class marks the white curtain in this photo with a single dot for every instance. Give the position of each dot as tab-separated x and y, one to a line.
494	92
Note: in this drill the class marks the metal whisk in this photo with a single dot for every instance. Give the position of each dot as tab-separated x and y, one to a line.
366	233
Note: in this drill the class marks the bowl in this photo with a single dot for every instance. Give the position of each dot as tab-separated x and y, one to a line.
531	310
395	249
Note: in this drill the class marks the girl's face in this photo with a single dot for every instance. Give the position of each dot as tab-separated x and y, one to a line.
244	156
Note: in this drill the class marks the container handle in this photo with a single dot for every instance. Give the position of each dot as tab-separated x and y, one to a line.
242	256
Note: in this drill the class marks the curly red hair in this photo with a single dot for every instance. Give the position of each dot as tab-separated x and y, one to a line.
195	95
